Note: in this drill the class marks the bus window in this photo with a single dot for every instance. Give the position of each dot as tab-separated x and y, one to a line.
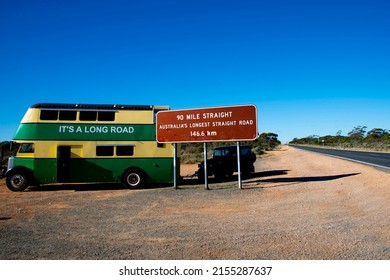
26	148
106	116
67	115
125	150
160	145
88	115
105	151
49	115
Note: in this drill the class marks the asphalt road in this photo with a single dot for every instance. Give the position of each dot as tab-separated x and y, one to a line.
380	160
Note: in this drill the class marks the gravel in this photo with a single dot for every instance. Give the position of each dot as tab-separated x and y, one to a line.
297	205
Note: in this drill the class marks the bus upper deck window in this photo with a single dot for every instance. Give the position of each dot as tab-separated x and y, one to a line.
49	115
67	115
106	116
88	115
26	148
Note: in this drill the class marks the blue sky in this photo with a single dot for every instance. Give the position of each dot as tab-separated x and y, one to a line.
310	67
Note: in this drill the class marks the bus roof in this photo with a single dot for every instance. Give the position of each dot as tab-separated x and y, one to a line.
91	106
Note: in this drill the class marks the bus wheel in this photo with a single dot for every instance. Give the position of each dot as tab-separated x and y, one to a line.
17	181
133	178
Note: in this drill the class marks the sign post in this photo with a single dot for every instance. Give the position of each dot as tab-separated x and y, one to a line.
175	165
206	185
239	165
213	124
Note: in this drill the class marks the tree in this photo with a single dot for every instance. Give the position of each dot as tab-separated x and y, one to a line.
376	133
358	132
268	141
6	150
376	139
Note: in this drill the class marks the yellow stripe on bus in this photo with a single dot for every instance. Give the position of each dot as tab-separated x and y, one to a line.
87	149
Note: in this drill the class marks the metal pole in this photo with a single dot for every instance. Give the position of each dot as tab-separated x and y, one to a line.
239	165
206	185
174	166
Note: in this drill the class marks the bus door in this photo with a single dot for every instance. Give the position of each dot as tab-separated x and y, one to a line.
63	164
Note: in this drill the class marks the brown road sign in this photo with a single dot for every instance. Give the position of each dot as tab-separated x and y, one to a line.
234	123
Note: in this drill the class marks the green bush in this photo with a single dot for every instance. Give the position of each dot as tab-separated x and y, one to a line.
377	139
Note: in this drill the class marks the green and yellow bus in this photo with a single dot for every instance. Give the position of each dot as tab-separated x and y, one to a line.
80	143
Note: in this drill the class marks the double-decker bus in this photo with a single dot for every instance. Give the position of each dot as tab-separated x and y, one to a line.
80	143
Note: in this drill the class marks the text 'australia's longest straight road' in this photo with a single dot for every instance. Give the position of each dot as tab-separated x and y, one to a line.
234	123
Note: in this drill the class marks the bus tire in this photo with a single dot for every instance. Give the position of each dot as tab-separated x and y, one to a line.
18	180
133	178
